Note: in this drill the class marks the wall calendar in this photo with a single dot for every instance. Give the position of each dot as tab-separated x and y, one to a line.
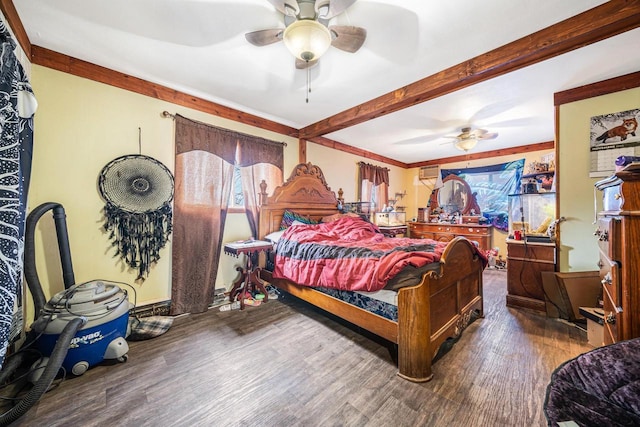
613	135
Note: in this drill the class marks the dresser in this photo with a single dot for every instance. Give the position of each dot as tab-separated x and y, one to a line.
618	236
445	232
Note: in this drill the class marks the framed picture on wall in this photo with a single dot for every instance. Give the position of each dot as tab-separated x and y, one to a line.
613	135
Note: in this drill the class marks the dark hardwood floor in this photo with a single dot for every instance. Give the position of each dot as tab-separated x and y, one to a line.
285	364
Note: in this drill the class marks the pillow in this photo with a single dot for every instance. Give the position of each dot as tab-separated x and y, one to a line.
337	216
275	236
289	216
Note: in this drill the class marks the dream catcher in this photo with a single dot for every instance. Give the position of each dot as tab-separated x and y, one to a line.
138	191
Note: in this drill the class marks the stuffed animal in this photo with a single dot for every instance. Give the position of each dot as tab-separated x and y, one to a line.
553	227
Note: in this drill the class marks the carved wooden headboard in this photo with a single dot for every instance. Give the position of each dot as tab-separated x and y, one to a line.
305	192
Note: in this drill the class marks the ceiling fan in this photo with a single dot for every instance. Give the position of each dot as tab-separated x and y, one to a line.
308	33
468	138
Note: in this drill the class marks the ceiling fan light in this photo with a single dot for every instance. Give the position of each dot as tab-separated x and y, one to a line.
307	39
466	144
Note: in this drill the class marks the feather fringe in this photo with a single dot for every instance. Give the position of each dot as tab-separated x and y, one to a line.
138	237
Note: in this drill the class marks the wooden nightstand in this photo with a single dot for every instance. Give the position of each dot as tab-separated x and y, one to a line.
250	275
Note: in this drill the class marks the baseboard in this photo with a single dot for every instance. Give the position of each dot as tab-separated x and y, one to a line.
161	308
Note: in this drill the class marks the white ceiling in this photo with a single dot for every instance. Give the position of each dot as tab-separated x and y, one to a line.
198	47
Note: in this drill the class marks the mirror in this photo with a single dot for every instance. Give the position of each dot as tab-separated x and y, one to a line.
455	196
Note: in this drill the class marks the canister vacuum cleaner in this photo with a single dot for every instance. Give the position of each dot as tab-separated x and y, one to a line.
103	306
78	328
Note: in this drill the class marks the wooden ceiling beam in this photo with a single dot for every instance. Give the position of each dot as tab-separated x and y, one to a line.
604	87
549	145
607	20
326	142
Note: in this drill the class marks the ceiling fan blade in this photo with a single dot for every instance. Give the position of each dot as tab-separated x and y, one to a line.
264	37
336	7
475	133
287	7
487	135
347	37
421	139
303	65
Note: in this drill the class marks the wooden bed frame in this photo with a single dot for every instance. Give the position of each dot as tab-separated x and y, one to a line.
441	306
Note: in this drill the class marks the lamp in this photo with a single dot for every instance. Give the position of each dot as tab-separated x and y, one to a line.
307	39
466	144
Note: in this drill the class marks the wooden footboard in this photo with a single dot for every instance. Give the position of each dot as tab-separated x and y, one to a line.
439	307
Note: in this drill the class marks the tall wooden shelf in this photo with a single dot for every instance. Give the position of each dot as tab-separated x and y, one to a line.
618	234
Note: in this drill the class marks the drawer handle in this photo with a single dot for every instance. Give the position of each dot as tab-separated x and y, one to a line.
610	319
600	263
618	196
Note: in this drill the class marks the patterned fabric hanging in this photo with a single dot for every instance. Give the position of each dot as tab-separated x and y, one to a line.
138	191
17	106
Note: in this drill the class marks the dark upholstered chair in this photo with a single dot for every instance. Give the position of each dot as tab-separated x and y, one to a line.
598	388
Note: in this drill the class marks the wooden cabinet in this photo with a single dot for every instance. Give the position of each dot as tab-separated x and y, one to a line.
446	232
618	235
525	263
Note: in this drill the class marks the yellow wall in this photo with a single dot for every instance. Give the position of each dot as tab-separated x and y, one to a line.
578	250
340	171
81	126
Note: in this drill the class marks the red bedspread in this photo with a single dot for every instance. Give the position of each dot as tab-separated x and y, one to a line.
348	254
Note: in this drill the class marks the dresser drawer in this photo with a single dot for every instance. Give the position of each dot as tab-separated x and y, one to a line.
609	232
417	231
473	231
612	198
532	252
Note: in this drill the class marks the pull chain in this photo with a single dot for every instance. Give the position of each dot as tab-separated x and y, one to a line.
140	141
308	82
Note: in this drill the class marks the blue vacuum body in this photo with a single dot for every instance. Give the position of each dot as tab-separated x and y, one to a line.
105	307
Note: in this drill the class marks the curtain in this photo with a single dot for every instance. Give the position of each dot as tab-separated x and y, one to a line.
492	185
259	159
203	175
17	105
374	185
205	161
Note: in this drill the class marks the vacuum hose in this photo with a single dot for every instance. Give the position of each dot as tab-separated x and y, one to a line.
50	371
30	273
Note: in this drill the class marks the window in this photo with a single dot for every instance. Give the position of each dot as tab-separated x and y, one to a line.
492	186
237	195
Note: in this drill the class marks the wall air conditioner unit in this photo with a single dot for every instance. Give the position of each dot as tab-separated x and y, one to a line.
428	172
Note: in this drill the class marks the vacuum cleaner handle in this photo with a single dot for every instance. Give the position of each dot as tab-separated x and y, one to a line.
30	273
